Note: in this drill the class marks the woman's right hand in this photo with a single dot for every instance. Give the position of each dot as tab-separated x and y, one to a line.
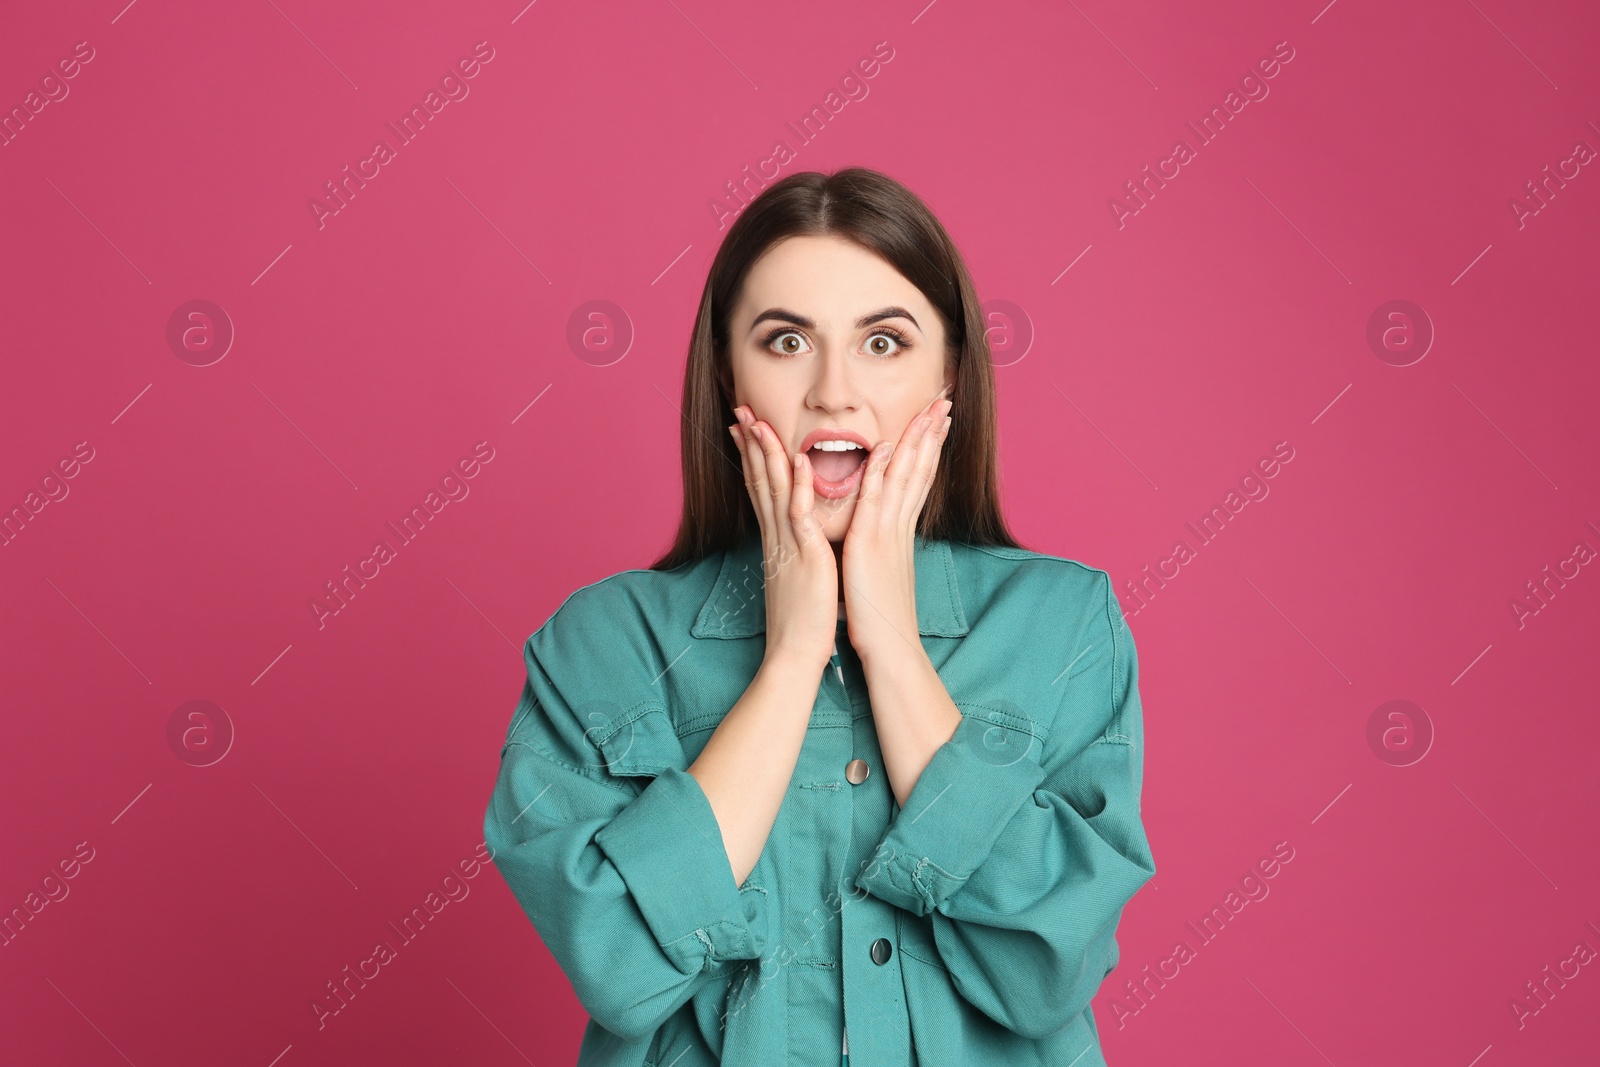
800	574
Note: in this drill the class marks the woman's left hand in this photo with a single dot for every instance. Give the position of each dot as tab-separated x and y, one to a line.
878	556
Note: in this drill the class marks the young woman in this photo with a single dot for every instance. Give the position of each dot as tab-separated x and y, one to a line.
848	768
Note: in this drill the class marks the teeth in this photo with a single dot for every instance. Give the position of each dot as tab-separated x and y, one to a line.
836	446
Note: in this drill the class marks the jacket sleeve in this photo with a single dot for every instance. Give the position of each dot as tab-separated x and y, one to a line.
1024	855
628	885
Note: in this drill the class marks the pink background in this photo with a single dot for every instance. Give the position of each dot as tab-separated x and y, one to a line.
1147	368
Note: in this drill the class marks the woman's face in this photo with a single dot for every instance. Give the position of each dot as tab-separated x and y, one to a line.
828	341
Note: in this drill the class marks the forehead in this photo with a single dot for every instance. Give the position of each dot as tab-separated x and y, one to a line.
827	278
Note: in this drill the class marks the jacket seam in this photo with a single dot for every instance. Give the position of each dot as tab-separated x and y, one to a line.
958	612
602	581
819	721
1114	725
634	712
932	963
550	757
1002	552
1001	717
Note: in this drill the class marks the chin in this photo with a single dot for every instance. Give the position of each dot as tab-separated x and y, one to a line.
837	523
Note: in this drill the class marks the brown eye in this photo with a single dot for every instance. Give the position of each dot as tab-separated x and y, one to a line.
898	338
789	342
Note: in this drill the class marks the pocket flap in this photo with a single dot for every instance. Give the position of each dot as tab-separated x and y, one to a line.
642	742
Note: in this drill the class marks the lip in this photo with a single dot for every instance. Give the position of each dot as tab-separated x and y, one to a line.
836	490
826	434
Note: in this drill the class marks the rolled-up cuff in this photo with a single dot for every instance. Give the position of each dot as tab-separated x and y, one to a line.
971	788
667	846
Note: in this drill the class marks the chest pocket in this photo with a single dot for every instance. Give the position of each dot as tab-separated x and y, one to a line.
637	742
1014	733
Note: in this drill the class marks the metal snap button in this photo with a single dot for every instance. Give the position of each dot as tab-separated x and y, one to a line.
881	950
856	771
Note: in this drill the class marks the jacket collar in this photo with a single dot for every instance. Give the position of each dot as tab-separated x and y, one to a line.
737	606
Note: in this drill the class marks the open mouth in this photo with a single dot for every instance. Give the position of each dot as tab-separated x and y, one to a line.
836	472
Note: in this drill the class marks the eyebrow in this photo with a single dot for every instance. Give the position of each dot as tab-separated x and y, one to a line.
784	315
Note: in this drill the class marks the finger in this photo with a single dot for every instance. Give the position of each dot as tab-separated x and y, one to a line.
870	496
741	441
778	477
928	462
898	475
932	425
756	479
801	501
736	431
899	482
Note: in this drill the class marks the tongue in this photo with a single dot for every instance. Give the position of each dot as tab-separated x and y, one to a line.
836	466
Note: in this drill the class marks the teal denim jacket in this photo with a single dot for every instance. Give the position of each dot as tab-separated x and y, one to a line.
971	928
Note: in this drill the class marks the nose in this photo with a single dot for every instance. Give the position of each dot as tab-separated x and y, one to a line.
833	389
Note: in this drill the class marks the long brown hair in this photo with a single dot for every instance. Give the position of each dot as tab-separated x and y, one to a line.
885	217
